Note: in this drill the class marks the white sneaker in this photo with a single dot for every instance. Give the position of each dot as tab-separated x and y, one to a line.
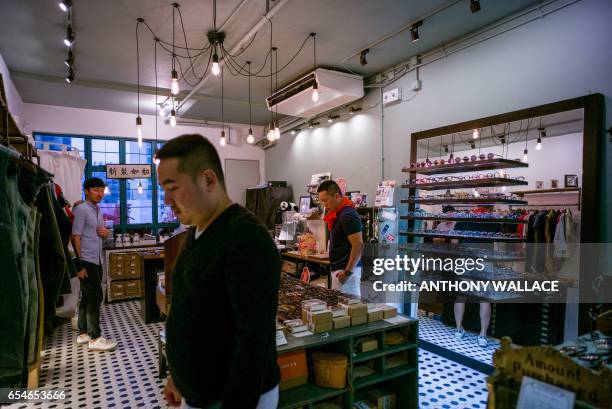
83	339
102	344
459	335
482	341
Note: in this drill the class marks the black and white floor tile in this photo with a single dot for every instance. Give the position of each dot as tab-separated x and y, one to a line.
434	331
127	377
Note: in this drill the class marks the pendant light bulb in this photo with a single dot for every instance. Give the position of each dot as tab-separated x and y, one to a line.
315	92
173	118
539	144
216	70
65	5
69	39
250	138
162	110
525	156
223	141
139	130
140	190
271	136
174	86
106	190
475	134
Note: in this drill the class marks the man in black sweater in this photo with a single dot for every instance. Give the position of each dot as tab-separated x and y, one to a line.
221	340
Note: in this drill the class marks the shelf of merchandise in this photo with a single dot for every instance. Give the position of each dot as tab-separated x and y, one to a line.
401	380
481	201
465	219
543	191
465	184
471	166
457	236
463	251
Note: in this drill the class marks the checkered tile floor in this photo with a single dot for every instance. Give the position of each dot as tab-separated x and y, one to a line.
127	377
434	331
444	384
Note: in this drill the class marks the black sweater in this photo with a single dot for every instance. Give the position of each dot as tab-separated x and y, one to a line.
221	339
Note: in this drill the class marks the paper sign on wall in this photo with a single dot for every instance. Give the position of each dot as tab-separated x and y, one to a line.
384	193
142	171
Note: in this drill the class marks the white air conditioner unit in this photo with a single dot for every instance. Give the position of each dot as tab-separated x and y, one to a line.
335	89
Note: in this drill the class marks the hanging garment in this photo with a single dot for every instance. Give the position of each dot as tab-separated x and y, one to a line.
559	242
67	170
15	218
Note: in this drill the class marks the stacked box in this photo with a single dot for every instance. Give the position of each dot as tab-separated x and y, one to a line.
342	322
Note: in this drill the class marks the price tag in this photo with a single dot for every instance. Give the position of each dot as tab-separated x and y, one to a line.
280	338
535	394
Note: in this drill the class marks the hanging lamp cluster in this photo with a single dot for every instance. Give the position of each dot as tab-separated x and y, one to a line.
218	57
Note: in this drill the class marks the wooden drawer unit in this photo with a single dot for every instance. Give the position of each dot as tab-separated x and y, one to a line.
117	289
132	288
116	263
131	266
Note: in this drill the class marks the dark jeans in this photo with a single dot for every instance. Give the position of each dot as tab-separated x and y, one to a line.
91	299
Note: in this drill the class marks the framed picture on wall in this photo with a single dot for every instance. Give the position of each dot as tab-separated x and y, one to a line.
539	184
571	180
554	183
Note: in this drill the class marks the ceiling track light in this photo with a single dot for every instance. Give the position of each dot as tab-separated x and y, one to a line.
362	56
65	5
414	31
70	76
475	6
69	39
352	110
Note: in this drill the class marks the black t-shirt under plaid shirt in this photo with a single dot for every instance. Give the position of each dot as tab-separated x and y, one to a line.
221	330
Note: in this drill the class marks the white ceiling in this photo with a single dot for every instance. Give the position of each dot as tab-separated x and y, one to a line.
31	33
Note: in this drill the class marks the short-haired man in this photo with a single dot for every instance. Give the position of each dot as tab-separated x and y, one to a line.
88	233
346	240
221	330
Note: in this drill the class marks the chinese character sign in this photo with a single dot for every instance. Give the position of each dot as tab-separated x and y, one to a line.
142	171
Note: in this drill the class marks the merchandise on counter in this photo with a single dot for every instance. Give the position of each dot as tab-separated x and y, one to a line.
342	322
394	338
359	320
293	369
366	344
361	371
357	310
339	311
320	328
382	399
296	326
375	314
314	305
319	317
363	404
330	370
389	312
348	300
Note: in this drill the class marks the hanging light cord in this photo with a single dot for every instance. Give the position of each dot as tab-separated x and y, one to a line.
249	64
222	117
138	67
156	106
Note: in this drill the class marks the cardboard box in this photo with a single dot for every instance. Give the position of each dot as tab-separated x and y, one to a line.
357	310
296	326
367	345
319	317
389	312
361	319
342	322
382	399
293	369
375	315
319	328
